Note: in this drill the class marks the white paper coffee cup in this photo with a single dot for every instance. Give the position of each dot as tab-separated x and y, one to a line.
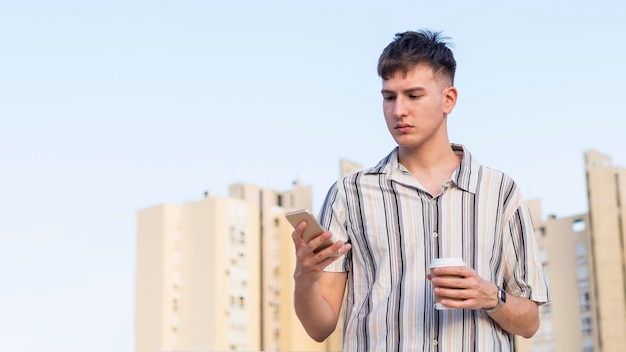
443	262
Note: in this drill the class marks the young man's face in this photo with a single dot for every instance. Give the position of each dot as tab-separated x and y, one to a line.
416	104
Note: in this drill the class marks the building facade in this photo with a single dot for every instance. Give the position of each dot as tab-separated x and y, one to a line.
193	289
584	259
606	186
216	274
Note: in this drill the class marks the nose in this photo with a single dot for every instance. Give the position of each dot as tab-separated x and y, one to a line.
399	107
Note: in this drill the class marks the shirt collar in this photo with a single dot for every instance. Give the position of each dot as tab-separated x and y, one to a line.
465	176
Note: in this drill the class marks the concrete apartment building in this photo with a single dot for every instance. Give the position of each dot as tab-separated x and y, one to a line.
192	289
584	258
216	274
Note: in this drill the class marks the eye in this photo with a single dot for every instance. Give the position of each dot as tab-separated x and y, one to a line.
389	97
415	96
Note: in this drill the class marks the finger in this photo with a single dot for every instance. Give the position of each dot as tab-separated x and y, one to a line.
454	303
461	271
337	249
320	242
460	294
448	281
450	293
330	254
296	235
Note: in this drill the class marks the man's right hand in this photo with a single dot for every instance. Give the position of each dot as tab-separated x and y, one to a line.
318	294
310	264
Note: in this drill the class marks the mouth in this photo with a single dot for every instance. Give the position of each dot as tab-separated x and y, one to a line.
403	127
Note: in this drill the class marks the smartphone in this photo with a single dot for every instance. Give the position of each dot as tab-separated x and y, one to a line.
313	227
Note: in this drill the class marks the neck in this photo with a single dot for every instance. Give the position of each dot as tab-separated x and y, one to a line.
431	167
425	159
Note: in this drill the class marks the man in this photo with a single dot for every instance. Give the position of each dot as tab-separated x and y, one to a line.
427	199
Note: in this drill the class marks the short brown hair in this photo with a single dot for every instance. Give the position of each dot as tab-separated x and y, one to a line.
411	48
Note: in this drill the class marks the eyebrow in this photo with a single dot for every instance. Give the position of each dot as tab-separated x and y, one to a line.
406	91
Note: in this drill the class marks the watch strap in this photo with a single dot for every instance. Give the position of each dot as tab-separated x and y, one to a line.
501	301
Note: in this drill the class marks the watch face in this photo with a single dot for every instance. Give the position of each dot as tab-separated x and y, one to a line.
502	295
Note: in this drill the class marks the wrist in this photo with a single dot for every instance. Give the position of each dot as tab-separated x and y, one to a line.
500	301
492	302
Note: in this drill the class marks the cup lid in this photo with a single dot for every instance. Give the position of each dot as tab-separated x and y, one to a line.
437	262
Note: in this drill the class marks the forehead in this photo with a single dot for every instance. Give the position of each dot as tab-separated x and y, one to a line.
421	75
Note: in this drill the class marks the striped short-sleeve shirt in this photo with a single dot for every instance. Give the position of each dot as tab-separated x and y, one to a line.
395	228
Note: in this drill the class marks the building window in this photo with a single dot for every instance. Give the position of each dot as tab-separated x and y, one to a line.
585	302
543	255
581	249
586	325
579	225
582	273
546	309
279	200
587	344
176	279
547	329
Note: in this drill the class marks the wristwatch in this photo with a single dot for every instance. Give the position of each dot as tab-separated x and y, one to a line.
501	301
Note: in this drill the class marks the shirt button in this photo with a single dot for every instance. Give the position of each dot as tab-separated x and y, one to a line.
435	234
435	342
434	201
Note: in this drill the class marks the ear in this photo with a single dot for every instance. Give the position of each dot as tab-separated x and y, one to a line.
450	95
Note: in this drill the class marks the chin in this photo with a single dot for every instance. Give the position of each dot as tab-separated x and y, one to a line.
407	143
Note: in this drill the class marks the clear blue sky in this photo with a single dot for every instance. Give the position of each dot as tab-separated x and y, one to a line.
113	106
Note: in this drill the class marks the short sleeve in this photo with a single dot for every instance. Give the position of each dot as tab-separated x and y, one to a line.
523	269
332	217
